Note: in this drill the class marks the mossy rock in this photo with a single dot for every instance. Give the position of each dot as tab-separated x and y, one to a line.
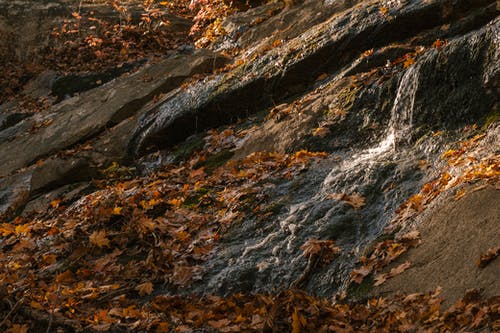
216	160
493	117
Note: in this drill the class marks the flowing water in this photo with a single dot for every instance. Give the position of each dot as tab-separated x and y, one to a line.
270	256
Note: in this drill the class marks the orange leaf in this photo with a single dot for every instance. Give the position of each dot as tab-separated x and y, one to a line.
65	277
16	328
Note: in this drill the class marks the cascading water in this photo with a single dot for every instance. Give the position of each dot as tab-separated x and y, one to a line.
316	215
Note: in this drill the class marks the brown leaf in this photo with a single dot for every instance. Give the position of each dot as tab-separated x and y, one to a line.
355	200
16	328
145	288
321	132
218	324
400	269
65	277
99	238
296	321
358	275
488	257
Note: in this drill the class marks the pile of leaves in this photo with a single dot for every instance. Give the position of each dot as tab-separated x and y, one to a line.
130	239
90	42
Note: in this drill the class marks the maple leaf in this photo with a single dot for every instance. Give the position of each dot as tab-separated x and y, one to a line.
145	288
99	238
355	200
358	275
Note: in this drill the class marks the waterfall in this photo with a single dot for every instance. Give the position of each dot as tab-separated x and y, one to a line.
359	171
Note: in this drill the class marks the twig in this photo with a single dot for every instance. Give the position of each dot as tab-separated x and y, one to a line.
12	310
51	319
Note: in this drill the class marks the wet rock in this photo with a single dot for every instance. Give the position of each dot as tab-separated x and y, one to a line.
14	193
56	172
288	70
69	85
81	118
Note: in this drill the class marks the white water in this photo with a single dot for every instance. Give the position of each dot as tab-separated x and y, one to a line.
358	169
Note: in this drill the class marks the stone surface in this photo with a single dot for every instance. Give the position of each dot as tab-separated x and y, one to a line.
319	88
80	118
287	70
103	118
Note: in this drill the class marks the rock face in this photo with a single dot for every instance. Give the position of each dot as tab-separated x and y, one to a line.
102	117
379	85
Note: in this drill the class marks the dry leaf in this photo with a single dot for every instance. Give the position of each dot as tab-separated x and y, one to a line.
488	257
218	324
99	238
321	132
16	328
355	200
145	288
358	275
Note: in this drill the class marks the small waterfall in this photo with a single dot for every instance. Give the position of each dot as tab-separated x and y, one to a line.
401	119
361	172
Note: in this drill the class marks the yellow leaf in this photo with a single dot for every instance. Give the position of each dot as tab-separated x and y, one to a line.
99	238
117	210
408	62
55	203
22	229
145	288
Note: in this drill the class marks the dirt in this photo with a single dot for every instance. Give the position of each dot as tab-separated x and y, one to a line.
454	235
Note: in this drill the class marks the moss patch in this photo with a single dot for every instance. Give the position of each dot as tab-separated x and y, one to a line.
214	161
493	117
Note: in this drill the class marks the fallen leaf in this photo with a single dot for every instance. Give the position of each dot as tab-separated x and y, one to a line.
99	238
321	132
358	275
488	257
218	324
355	200
16	328
296	322
145	288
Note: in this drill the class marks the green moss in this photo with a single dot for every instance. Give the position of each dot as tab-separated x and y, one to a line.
214	161
493	117
188	146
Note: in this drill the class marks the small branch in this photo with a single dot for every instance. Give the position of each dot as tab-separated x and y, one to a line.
14	308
